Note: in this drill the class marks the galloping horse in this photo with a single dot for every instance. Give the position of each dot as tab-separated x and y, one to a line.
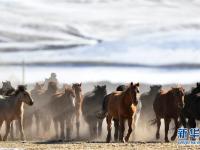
33	111
91	105
63	111
78	105
147	99
168	105
122	105
44	109
191	108
11	108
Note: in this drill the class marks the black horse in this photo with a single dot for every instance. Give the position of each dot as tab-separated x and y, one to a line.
91	105
191	110
147	100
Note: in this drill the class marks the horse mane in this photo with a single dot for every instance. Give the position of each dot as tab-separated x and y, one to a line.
20	88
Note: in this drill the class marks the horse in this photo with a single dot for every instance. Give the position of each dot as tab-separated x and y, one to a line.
44	109
147	99
11	108
102	113
191	108
122	105
78	104
168	105
34	111
62	111
91	105
6	89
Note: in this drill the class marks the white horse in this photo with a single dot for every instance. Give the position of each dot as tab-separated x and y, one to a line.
11	108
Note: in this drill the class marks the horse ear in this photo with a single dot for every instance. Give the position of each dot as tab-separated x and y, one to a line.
80	84
131	83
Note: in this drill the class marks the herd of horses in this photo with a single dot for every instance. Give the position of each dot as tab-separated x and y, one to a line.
64	106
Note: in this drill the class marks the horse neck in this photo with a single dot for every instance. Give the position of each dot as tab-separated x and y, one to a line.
126	98
78	96
17	103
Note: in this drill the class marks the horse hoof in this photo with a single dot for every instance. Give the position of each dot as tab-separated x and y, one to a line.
166	140
126	139
173	138
107	140
122	140
157	136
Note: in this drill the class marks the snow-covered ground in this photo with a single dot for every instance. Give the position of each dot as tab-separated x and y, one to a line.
145	32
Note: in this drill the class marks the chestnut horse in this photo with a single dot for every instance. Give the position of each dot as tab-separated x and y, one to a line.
11	108
168	105
62	112
78	105
122	105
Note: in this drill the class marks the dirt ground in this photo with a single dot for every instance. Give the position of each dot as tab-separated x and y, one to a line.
96	145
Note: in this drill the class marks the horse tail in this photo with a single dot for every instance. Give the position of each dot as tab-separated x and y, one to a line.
102	114
153	122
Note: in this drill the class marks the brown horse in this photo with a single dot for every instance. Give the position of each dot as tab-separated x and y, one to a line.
62	112
34	111
122	105
11	108
168	105
78	105
43	107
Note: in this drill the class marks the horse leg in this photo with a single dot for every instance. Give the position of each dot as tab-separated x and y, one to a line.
130	120
68	129
94	128
158	127
37	120
122	128
56	128
108	120
134	125
12	131
62	132
192	123
100	127
77	123
7	130
167	121
176	129
21	129
116	125
1	122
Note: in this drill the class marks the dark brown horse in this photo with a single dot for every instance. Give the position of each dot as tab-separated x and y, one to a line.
122	105
147	100
78	105
168	105
91	105
62	112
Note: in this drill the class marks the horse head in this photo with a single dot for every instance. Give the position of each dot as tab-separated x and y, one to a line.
155	88
100	90
196	90
38	86
77	87
133	90
178	93
23	95
69	92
